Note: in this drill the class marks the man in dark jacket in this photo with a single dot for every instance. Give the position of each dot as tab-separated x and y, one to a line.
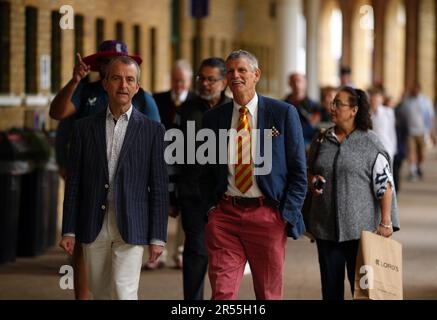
79	99
170	104
309	110
211	85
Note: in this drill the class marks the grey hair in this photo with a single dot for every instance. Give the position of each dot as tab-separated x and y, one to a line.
183	65
238	54
125	60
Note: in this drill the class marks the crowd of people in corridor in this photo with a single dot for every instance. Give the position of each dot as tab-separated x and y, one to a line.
332	176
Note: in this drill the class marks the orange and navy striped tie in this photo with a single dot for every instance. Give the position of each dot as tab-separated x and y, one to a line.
243	168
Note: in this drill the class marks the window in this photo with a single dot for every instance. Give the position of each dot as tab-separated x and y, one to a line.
224	48
175	29
31	49
119	32
56	63
272	9
137	40
153	50
100	32
212	47
5	45
78	35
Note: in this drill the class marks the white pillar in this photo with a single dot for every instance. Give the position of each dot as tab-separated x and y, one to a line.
288	44
312	23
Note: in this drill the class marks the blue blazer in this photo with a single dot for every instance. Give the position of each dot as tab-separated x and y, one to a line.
287	181
140	181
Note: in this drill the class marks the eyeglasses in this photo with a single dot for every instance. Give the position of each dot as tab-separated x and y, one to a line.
337	104
209	80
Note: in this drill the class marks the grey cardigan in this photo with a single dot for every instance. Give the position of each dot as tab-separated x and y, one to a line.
348	204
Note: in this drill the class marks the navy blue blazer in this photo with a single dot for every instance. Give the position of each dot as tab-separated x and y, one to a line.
140	181
287	181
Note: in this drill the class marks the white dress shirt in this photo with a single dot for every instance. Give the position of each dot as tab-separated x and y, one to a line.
418	111
254	190
182	97
115	133
384	125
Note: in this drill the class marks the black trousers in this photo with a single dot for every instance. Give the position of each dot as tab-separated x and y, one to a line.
334	258
397	165
195	256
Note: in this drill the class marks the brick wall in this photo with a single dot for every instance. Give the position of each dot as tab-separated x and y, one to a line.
146	13
232	24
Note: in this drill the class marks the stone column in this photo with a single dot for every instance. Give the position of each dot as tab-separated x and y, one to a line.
412	42
346	10
313	18
288	42
378	52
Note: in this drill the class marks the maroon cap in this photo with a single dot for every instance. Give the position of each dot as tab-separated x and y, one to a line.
109	49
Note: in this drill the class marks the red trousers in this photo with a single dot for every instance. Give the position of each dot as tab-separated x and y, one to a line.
236	235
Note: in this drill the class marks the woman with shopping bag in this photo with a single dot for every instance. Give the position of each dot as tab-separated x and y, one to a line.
352	190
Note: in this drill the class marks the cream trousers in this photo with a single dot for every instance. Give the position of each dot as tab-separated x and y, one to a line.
113	266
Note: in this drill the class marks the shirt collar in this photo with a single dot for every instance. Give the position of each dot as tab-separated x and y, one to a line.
252	105
128	113
182	97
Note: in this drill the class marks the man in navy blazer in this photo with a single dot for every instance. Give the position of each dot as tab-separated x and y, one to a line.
251	212
116	198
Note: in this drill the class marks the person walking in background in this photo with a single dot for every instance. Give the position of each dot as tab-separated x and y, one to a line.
383	121
170	104
249	214
211	86
116	197
84	99
346	77
79	99
309	110
350	179
419	113
401	150
327	95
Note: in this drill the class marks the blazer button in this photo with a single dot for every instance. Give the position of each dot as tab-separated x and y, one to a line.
106	186
103	207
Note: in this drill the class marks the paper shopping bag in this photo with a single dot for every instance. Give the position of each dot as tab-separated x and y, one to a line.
378	274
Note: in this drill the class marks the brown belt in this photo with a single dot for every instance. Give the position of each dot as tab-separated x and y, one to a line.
243	202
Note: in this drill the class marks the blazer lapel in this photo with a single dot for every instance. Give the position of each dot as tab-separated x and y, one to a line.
131	132
264	122
226	117
100	136
225	122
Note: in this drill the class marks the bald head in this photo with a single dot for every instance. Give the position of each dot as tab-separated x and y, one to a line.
298	84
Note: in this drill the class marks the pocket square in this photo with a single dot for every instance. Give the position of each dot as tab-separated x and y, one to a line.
275	132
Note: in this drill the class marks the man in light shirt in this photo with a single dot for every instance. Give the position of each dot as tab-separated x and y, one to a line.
383	120
419	113
116	199
252	212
